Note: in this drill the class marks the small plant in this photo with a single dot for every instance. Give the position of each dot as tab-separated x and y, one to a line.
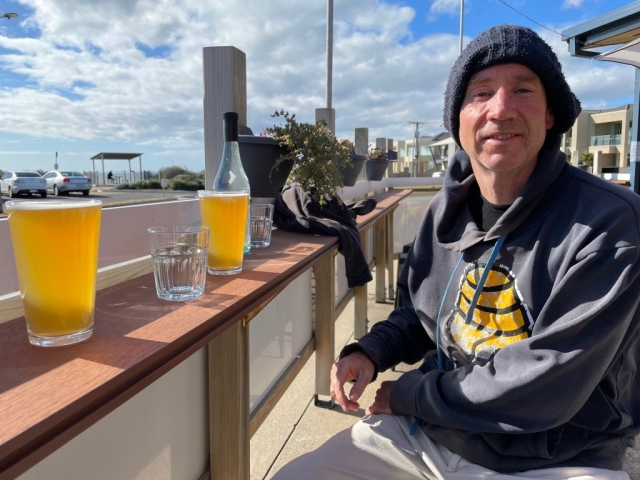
316	154
348	144
587	158
377	154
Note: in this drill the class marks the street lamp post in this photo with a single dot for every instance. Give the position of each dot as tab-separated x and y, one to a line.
329	53
461	23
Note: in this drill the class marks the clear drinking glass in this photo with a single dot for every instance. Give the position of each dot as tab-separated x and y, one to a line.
55	245
261	222
179	261
225	213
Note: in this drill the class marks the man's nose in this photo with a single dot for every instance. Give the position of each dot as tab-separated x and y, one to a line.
501	105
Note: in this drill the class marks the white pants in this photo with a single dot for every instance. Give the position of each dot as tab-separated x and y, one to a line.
380	447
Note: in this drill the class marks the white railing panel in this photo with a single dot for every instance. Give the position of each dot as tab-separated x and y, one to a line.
162	432
277	334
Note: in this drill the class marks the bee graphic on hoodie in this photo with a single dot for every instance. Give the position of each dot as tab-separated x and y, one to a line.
500	317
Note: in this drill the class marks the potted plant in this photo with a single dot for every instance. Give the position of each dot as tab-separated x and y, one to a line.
351	171
259	155
376	164
316	155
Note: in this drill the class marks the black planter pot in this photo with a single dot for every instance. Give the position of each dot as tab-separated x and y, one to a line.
375	169
350	172
259	155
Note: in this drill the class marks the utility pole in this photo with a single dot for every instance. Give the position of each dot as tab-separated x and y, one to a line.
461	23
329	53
416	135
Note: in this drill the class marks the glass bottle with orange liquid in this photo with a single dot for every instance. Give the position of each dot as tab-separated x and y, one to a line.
224	209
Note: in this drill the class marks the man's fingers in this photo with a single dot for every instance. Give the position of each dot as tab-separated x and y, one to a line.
358	388
337	389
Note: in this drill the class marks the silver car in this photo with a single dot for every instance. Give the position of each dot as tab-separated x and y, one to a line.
16	183
65	181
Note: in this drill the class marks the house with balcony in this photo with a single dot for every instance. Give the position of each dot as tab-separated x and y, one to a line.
434	152
604	133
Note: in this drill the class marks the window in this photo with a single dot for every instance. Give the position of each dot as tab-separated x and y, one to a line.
617	128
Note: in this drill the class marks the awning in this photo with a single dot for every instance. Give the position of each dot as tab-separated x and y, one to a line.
628	53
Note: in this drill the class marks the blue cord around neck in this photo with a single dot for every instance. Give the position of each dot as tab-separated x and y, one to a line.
483	278
476	295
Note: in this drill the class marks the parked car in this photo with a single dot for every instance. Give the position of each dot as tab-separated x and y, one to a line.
63	182
16	183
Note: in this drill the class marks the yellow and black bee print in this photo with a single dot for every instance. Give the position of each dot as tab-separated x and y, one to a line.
499	319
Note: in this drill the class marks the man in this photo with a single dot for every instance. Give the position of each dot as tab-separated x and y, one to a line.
521	294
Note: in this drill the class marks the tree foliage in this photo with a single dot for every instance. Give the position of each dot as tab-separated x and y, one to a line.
173	171
587	158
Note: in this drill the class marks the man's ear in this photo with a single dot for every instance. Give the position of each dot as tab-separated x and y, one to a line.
549	120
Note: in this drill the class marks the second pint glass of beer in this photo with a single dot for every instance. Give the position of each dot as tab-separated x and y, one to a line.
58	297
225	213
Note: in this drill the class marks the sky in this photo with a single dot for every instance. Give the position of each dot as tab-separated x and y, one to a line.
80	77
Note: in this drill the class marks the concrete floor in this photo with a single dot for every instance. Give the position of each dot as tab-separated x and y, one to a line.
297	426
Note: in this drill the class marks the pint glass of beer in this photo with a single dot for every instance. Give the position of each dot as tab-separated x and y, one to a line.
55	244
225	213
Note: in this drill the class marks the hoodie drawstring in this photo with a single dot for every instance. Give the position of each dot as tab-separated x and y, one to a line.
472	305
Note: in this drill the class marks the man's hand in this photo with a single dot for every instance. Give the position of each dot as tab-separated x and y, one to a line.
381	402
356	366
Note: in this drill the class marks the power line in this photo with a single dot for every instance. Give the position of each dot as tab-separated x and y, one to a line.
528	18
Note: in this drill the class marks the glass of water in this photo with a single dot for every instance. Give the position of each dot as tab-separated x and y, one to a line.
261	221
179	257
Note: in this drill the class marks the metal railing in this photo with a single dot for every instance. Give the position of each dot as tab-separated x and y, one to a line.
603	140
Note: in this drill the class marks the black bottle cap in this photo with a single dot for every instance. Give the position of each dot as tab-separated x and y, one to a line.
230	126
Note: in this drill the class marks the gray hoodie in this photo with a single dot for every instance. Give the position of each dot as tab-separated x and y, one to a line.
543	371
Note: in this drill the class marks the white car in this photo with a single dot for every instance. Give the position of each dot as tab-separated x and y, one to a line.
16	183
65	181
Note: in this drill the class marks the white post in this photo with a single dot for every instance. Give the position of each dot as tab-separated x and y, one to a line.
225	90
328	116
361	140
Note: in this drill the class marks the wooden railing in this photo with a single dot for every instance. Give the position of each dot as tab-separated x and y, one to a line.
48	397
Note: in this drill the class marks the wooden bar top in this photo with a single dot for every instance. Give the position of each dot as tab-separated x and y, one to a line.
385	201
50	395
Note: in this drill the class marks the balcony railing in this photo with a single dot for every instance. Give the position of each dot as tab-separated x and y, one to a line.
604	140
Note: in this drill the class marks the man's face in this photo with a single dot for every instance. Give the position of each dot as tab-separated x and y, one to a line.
504	120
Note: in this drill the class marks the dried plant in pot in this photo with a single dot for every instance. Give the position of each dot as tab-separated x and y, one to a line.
376	165
316	154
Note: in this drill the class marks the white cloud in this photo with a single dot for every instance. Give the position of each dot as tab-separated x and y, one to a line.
445	6
597	84
572	4
81	72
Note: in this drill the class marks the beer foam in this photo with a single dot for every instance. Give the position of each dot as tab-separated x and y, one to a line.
51	205
219	193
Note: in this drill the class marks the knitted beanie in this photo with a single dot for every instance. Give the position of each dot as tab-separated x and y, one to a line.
511	44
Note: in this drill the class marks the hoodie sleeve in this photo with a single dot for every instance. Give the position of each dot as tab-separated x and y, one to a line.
567	370
401	338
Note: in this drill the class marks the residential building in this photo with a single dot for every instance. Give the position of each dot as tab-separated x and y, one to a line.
604	133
